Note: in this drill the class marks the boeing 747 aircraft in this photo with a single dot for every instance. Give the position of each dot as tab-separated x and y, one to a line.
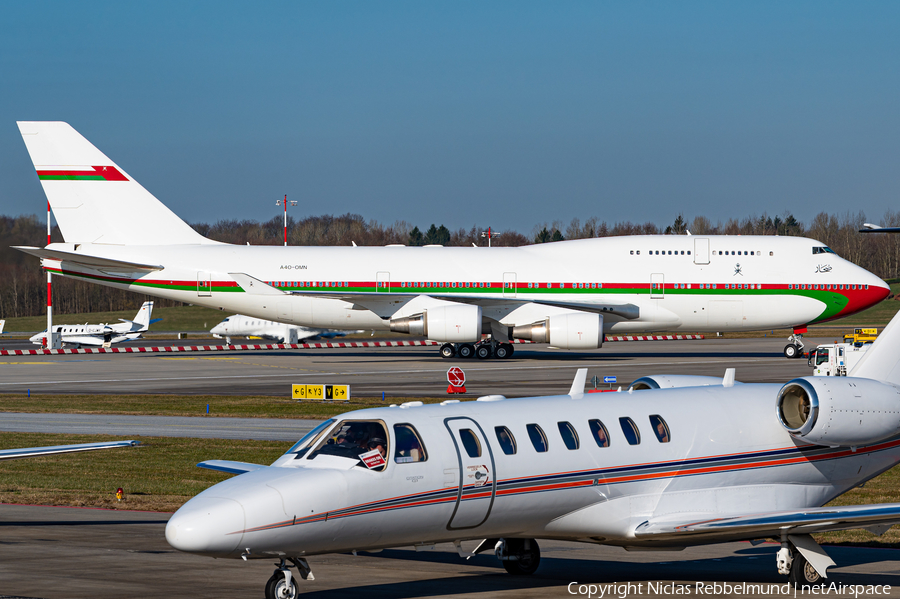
475	300
685	461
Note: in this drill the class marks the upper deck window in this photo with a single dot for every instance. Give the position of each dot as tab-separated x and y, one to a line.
409	445
822	250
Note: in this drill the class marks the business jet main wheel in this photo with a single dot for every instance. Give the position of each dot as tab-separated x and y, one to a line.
791	351
465	351
802	571
448	351
277	589
483	352
503	351
527	556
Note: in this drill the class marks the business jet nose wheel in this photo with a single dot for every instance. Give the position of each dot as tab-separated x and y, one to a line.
520	557
280	586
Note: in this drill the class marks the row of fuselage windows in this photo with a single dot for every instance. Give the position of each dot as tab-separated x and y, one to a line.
568	435
714	253
827	287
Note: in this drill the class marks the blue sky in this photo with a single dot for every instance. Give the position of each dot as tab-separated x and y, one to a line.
463	113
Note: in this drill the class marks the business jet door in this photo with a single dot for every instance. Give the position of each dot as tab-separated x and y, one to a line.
477	479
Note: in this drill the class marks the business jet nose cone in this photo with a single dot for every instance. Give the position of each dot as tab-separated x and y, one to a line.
211	526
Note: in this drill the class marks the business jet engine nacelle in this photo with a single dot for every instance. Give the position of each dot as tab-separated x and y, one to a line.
672	381
576	330
449	324
839	411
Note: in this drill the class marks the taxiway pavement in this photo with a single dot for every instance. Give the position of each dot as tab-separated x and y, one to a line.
71	553
397	372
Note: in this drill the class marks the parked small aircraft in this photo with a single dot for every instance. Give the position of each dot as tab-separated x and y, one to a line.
239	325
102	334
684	461
475	300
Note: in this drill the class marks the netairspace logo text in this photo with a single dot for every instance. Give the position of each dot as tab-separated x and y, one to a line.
626	589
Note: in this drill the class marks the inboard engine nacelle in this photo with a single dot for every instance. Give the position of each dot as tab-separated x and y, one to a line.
450	324
839	411
576	330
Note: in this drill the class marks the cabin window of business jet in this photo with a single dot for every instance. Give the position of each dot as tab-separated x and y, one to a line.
354	438
538	438
409	445
470	443
630	430
568	434
307	440
506	440
599	433
660	428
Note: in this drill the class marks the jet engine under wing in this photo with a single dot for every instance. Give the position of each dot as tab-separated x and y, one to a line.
84	259
229	466
795	522
31	452
385	304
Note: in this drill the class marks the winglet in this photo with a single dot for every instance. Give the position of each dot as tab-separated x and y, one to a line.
728	379
882	360
577	389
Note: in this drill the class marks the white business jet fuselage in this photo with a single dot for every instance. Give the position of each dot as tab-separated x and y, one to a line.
102	334
659	468
568	294
240	325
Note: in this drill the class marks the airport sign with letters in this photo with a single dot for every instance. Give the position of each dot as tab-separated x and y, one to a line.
321	392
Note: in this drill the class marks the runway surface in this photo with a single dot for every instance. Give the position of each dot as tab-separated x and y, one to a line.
56	553
398	372
261	429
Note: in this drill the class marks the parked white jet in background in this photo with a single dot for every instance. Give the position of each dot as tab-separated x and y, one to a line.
2	324
102	334
568	294
659	468
239	325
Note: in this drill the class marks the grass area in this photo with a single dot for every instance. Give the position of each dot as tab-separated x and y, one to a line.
258	406
160	475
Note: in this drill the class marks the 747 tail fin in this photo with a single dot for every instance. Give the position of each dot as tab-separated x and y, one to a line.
93	200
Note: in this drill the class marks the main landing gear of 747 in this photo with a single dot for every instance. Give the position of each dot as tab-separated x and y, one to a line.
282	585
482	350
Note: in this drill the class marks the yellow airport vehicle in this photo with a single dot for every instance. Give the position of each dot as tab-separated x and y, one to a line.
861	336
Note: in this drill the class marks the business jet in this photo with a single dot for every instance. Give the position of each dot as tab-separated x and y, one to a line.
240	325
682	462
474	300
102	334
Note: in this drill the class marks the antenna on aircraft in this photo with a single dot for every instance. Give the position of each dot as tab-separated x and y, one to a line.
284	202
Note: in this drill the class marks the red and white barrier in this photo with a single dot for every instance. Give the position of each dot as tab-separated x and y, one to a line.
270	346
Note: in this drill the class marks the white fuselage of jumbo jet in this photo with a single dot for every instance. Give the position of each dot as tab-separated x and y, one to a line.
739	282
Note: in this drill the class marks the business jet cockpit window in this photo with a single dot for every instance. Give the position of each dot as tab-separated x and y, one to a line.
409	445
822	250
361	440
308	440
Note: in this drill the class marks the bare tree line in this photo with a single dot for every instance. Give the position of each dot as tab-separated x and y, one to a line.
23	287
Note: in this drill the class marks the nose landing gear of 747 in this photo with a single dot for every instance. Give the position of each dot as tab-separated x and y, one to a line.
282	585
